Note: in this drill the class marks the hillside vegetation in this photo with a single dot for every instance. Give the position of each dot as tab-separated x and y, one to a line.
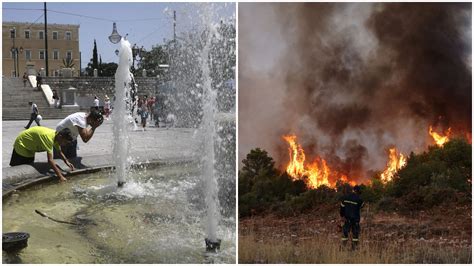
441	175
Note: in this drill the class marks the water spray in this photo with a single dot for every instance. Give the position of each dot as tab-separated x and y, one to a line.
208	128
125	87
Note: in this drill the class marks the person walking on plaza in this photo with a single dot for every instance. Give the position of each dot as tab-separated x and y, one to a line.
25	79
107	106
40	139
34	115
150	104
39	81
156	113
144	112
56	99
78	124
96	102
350	212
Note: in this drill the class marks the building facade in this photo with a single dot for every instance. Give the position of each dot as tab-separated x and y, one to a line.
23	48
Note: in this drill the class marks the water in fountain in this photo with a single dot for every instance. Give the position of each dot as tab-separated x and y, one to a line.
121	117
202	65
208	128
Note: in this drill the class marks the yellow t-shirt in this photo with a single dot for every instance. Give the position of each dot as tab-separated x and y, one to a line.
35	139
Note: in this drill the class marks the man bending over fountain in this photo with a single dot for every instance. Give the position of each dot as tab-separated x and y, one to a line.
78	124
39	139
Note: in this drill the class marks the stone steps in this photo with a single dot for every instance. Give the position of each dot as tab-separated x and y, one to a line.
46	113
15	98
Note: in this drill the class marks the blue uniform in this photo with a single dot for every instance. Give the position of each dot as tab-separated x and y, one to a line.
350	210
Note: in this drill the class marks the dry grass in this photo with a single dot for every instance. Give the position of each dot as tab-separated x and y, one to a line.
327	250
439	236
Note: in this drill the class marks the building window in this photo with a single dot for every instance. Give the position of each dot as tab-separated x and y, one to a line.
68	35
12	34
41	54
56	54
27	34
69	55
55	35
41	35
28	55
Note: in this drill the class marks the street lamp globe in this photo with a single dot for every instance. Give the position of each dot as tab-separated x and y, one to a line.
115	37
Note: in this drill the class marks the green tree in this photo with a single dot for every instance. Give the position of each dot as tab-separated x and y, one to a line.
435	176
68	63
108	69
94	62
223	49
257	163
151	60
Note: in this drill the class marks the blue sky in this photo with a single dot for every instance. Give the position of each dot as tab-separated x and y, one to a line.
147	23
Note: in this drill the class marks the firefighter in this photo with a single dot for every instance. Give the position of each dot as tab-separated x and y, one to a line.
350	212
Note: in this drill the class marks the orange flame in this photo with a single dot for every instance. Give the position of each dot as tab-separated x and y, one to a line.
317	172
344	179
395	163
296	166
439	139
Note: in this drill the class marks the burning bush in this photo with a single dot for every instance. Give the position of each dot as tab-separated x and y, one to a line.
448	166
261	185
440	175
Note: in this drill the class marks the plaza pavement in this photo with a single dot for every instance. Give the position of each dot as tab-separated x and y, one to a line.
152	145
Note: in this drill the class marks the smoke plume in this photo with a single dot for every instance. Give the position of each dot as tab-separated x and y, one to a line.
352	80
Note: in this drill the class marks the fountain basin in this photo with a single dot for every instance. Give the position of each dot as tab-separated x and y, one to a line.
156	217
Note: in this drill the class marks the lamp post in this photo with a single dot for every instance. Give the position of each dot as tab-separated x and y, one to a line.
136	51
115	37
14	51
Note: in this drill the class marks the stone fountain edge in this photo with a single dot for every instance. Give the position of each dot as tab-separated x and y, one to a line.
24	176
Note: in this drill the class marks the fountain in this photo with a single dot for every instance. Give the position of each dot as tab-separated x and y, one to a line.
122	117
208	128
165	207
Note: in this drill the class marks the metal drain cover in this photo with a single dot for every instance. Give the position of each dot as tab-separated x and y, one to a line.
14	241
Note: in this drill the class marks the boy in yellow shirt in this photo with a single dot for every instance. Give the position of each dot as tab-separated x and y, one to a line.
40	139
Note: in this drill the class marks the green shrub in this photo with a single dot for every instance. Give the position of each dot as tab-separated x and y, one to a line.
447	167
305	201
439	175
373	192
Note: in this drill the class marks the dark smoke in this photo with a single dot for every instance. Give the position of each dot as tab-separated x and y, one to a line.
351	80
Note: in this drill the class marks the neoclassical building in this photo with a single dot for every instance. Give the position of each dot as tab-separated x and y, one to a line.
28	42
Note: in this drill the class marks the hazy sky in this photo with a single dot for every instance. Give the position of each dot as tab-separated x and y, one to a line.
147	24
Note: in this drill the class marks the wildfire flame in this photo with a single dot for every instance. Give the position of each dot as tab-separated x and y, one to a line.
439	139
317	172
344	179
395	163
296	166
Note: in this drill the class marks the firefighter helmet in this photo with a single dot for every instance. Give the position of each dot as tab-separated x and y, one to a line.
356	189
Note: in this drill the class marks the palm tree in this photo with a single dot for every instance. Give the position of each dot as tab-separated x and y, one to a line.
68	63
